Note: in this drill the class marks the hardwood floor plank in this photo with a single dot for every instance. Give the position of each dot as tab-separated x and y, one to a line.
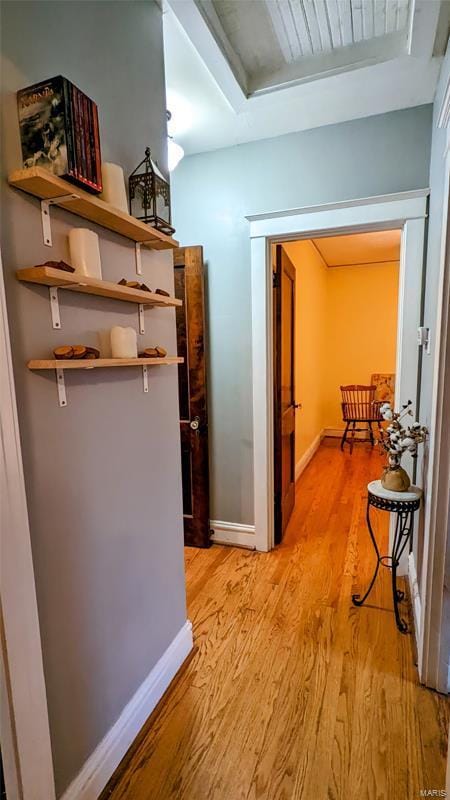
294	693
285	757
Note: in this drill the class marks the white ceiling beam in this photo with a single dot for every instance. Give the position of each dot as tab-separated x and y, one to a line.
324	25
345	21
379	17
425	18
361	54
279	27
357	17
286	32
207	9
299	17
313	25
404	8
367	13
218	64
391	16
289	11
333	16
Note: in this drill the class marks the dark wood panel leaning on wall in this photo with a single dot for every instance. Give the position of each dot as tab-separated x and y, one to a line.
189	287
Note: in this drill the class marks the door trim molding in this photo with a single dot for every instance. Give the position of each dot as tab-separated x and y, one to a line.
340	204
100	766
26	747
402	210
435	638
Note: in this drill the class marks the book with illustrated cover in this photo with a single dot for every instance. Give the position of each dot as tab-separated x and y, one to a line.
43	120
59	131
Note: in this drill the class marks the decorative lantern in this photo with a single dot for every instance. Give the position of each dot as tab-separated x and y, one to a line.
149	195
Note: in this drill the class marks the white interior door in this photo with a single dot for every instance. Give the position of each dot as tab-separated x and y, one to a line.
408	350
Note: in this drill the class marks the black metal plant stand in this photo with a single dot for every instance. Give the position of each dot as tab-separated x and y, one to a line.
404	505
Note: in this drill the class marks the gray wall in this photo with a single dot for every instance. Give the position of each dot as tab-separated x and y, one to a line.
102	475
212	194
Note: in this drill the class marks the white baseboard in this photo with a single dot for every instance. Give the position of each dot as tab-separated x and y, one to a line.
415	596
303	462
233	534
106	757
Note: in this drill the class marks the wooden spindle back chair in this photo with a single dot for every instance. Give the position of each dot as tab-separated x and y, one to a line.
359	406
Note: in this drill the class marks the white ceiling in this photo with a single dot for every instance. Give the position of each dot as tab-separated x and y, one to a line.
269	42
306	27
241	70
358	249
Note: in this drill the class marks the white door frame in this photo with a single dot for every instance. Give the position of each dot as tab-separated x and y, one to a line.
434	642
25	735
405	210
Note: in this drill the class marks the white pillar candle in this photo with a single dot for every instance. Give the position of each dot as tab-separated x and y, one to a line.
114	191
123	342
85	252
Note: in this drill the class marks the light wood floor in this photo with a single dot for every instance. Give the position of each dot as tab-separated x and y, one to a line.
293	692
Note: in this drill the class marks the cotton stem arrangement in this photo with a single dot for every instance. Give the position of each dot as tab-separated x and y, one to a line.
399	438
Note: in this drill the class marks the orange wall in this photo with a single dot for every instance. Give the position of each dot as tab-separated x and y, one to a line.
361	330
311	299
346	328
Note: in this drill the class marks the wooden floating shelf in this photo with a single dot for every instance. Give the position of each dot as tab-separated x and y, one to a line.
96	363
41	183
49	276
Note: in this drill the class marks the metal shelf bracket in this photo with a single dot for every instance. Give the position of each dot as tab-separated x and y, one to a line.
145	377
45	215
141	316
62	399
54	307
138	258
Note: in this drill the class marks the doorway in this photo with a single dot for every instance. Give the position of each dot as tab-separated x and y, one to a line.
405	211
335	316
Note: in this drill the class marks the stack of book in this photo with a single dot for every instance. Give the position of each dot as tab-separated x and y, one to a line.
59	131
